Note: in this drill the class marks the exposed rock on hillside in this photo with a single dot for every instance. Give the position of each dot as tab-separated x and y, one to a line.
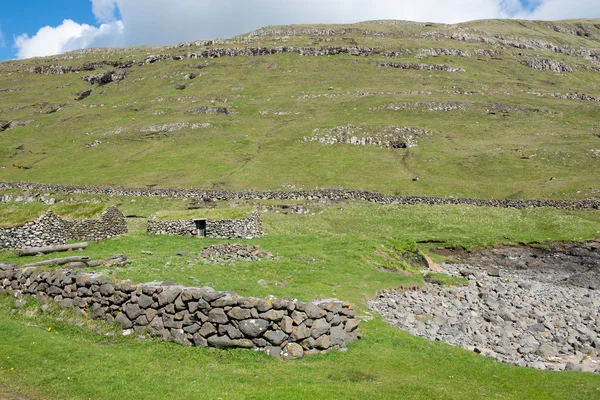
421	67
383	136
430	52
547	64
106	77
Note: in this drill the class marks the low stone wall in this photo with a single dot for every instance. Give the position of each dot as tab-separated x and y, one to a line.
249	227
111	223
318	194
50	229
197	316
47	230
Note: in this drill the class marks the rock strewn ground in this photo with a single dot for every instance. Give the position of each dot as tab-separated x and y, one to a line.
234	251
538	316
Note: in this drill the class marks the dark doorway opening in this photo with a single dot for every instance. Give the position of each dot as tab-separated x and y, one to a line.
200	227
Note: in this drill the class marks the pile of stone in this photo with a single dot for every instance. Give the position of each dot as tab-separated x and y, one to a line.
197	316
393	137
547	64
234	252
528	317
421	66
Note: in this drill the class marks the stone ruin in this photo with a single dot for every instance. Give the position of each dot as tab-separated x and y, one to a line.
198	316
50	230
250	227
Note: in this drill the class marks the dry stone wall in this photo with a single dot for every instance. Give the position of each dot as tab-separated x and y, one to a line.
50	229
111	223
47	230
317	194
197	316
249	227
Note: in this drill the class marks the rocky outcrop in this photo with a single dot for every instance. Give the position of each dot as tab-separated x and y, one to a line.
431	52
393	137
106	77
547	64
317	194
5	125
421	67
198	316
47	230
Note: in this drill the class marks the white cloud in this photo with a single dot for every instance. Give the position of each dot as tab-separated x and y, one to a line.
68	36
104	10
562	9
2	41
160	22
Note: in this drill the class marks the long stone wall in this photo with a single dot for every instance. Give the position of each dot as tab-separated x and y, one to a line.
111	223
50	229
46	230
249	227
329	194
197	316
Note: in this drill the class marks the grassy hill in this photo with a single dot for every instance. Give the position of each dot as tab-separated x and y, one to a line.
242	121
495	127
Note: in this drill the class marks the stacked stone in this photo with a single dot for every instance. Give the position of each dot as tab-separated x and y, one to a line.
197	316
317	194
47	230
234	251
547	64
111	223
246	228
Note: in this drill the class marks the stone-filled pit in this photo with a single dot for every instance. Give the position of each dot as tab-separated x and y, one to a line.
534	308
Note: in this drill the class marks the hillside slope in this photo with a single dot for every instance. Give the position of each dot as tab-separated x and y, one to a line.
499	108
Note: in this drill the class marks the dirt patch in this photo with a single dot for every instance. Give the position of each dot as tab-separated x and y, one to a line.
574	264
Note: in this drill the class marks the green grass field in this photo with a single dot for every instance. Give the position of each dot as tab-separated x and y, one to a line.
322	255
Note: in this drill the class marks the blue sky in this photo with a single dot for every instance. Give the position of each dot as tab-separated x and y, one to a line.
28	16
93	23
